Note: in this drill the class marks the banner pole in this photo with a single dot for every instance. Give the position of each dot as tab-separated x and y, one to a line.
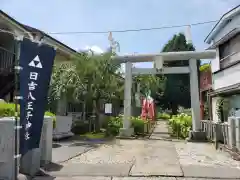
17	127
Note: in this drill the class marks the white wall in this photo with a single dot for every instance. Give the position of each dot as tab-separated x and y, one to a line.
226	77
215	63
235	23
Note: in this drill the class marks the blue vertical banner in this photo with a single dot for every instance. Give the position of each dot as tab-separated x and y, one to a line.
37	62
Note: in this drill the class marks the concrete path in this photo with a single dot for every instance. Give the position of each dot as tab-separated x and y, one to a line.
66	150
161	131
121	178
202	160
157	156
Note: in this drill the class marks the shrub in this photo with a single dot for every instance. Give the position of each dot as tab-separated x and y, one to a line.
205	67
79	127
105	122
180	125
138	125
163	116
114	124
8	110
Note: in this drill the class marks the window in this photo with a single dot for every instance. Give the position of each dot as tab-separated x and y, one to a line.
229	52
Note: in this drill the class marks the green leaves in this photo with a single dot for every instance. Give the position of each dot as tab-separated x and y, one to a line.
222	108
152	83
177	91
87	77
180	125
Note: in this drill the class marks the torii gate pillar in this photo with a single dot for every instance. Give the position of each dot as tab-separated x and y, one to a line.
192	56
127	131
194	93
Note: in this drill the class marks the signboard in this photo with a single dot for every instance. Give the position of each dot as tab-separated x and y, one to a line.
36	61
108	108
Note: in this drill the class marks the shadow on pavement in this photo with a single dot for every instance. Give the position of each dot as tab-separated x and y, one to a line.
55	145
52	167
92	145
44	171
167	133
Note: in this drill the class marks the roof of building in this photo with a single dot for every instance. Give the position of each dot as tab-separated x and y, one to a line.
224	20
33	30
225	38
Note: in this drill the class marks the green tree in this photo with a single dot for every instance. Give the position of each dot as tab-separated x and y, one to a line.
154	84
89	79
177	91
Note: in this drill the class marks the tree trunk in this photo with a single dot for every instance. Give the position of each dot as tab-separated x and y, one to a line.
84	110
174	108
96	112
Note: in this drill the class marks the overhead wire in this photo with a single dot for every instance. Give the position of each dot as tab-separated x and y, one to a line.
113	31
121	31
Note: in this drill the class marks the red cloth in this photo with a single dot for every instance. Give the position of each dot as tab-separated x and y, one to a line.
144	109
148	109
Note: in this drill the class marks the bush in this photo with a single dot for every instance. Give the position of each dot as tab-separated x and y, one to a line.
105	122
138	125
115	123
8	110
163	116
79	127
180	125
113	126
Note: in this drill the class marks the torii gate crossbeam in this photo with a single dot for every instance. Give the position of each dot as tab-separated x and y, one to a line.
192	56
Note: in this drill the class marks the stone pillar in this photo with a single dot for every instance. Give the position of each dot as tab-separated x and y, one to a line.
195	103
232	132
7	146
127	130
31	161
46	141
196	134
238	133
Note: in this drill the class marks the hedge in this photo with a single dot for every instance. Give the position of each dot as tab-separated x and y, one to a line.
8	110
115	123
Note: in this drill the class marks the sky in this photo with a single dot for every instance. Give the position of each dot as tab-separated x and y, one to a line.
107	15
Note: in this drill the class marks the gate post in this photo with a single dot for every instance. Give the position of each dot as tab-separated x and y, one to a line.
127	130
196	133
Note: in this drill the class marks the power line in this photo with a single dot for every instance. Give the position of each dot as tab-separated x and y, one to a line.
124	30
134	30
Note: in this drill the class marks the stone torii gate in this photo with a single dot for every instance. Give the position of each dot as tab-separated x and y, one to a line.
159	59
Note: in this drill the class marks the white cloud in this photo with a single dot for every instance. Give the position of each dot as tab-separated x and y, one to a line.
95	49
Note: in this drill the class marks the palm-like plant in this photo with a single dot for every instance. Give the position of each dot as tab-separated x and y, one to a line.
88	79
